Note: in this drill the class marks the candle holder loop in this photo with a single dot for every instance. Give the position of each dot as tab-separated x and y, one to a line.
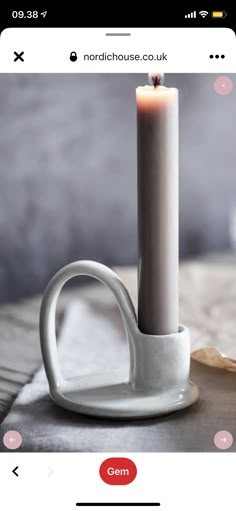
158	381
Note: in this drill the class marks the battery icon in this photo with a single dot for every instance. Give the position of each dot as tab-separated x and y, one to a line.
218	14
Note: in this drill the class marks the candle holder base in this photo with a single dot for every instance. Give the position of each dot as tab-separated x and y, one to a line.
110	396
158	381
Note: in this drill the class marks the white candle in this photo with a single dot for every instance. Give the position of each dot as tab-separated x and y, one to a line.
158	215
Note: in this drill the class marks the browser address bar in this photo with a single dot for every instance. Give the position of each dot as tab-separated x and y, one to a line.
118	50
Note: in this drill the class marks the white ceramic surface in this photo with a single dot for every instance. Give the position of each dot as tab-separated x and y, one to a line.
158	382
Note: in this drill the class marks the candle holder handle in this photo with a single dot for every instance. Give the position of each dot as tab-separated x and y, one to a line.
158	380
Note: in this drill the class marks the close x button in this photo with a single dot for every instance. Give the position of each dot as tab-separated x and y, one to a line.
118	471
19	56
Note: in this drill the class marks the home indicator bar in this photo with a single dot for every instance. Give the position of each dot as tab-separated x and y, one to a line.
130	504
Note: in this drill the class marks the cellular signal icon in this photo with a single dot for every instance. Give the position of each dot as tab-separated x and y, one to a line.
192	14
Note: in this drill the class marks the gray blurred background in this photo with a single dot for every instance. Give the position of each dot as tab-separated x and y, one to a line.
68	172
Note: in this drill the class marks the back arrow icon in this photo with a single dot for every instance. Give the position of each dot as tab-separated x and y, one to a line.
15	471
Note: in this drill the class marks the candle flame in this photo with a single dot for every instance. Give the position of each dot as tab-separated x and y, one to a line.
156	79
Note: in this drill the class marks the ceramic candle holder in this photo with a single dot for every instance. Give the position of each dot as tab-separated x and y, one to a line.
158	381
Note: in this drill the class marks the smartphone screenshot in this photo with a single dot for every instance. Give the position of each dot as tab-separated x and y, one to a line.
117	263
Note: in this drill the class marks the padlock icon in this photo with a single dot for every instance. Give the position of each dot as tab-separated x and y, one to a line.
73	56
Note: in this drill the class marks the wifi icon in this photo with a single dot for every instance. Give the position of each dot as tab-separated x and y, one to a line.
203	14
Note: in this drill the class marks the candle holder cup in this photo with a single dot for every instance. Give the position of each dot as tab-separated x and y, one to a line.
158	381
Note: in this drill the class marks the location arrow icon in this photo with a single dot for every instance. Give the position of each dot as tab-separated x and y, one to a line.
15	471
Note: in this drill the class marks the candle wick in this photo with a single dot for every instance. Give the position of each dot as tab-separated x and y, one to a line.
156	81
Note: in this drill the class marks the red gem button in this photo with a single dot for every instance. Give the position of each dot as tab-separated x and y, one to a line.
118	471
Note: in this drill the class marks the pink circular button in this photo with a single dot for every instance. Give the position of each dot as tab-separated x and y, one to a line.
223	440
12	440
223	85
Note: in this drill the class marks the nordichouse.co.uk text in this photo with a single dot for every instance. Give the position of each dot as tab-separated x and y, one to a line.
122	56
